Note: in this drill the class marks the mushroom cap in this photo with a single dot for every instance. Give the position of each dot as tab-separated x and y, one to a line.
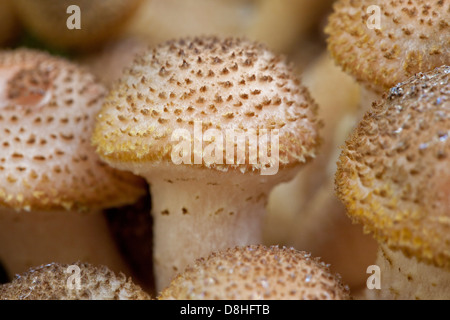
47	112
257	272
226	84
394	175
52	282
99	20
414	37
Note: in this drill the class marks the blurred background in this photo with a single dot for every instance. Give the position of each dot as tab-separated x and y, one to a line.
304	213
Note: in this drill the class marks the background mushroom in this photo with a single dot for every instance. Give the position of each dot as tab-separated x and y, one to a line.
57	281
52	184
193	85
393	176
305	212
278	24
257	273
99	21
413	36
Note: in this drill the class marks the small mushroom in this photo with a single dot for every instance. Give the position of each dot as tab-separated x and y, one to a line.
99	21
175	95
413	36
53	186
77	281
257	273
394	178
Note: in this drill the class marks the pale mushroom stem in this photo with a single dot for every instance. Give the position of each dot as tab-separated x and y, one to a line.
405	278
29	239
368	97
204	212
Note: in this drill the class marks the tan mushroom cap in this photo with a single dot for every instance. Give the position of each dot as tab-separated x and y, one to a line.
225	84
47	113
99	20
52	282
394	173
257	272
414	37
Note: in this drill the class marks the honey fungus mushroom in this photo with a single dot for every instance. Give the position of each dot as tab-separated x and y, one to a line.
192	86
56	281
53	186
413	36
279	24
257	273
394	175
99	21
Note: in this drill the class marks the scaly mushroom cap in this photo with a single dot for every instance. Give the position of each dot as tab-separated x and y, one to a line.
257	272
224	83
53	282
414	37
47	113
99	20
394	173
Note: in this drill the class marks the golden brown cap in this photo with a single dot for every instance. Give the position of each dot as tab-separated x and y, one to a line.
414	36
225	84
257	272
56	281
99	20
47	113
394	172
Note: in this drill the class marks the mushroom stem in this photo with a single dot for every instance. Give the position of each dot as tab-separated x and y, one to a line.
32	238
197	213
368	97
406	278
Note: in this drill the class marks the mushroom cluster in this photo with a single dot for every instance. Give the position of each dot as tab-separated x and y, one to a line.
224	149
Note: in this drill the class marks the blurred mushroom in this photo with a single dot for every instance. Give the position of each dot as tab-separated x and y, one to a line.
394	176
279	24
413	36
8	22
131	227
305	212
257	273
215	90
53	185
100	21
109	62
57	281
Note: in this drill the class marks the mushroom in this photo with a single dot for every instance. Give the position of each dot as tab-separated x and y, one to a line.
99	21
279	24
257	273
393	176
305	212
77	281
53	186
173	101
413	36
108	63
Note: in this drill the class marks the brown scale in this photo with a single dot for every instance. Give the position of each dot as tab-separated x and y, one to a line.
28	87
